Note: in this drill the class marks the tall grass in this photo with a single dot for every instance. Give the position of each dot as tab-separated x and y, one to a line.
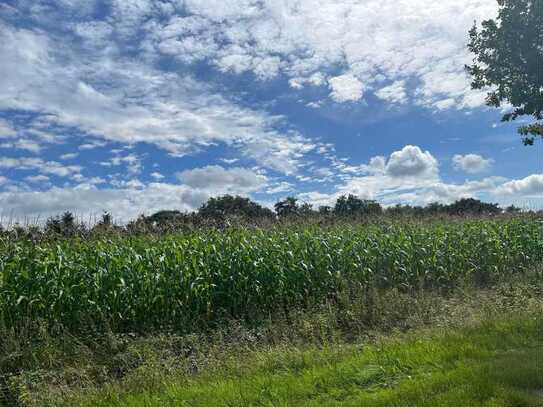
138	283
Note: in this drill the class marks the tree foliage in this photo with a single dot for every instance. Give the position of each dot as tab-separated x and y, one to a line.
64	225
472	206
287	207
353	206
165	217
461	207
231	206
509	60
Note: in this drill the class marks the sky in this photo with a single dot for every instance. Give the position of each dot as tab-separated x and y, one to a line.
133	106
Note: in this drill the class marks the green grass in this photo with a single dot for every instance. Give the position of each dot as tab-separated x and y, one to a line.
498	363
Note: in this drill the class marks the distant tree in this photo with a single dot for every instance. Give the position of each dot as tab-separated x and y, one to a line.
105	224
512	209
470	206
229	206
287	207
62	225
325	210
53	226
107	220
306	209
509	60
67	220
435	208
400	210
341	207
352	206
164	217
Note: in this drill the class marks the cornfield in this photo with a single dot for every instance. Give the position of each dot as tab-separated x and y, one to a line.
139	282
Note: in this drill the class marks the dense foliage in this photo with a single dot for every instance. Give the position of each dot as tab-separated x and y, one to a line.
177	281
509	59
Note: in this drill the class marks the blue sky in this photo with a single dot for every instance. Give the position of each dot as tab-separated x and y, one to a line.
132	106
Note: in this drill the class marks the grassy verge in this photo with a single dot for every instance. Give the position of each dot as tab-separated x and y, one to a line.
466	347
498	363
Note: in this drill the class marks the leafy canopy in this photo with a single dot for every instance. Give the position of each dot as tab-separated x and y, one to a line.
509	59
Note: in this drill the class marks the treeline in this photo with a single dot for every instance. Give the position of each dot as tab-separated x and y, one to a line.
346	206
229	210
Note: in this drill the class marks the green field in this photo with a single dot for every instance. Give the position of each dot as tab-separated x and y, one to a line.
286	315
178	281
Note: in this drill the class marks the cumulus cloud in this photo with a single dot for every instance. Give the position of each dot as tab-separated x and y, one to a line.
218	179
531	186
411	161
407	176
346	88
472	163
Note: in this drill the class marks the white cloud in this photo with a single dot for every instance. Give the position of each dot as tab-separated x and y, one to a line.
37	178
132	162
229	160
218	179
395	93
447	193
280	187
409	175
44	167
87	201
129	102
23	144
531	186
92	145
317	199
346	88
157	176
411	161
472	163
377	41
6	129
69	156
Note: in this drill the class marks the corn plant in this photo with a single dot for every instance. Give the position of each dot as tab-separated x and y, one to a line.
176	281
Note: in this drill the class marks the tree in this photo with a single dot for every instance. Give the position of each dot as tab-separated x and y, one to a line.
166	217
287	207
306	209
509	59
352	206
470	206
63	225
67	220
228	206
513	209
107	220
325	210
435	208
